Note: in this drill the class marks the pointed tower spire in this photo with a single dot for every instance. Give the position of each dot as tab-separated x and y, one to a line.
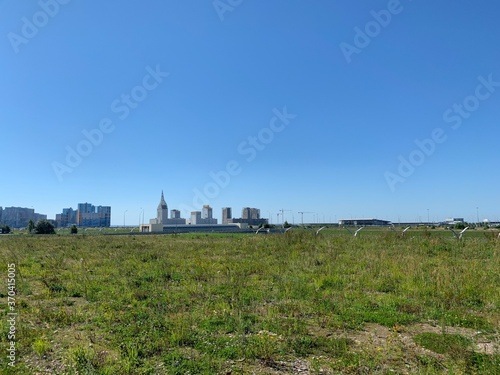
162	204
162	210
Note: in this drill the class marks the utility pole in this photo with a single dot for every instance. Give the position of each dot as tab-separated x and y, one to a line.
302	215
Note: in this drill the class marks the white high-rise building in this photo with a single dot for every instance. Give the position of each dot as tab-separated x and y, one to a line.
206	213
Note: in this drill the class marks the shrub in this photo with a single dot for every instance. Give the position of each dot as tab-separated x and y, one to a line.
44	227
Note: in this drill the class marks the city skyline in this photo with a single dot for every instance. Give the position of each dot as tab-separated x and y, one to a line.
174	216
338	108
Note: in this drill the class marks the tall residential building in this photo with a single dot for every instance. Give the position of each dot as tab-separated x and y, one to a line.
86	208
175	214
66	218
19	217
226	215
90	216
250	213
195	217
162	211
104	213
203	217
206	212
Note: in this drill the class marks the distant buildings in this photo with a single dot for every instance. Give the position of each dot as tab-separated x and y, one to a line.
86	215
175	214
207	211
453	221
162	211
249	216
364	222
204	217
162	215
66	218
195	217
19	217
250	213
201	220
90	216
226	215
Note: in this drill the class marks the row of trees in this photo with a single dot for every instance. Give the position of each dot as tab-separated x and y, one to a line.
46	227
41	227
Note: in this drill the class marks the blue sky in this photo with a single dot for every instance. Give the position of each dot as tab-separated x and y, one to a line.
179	87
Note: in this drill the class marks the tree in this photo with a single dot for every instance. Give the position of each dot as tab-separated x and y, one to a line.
4	229
74	229
31	226
44	227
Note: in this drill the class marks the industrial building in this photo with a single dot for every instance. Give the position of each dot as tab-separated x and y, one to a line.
364	222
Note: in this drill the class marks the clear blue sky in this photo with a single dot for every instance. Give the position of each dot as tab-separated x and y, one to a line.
361	82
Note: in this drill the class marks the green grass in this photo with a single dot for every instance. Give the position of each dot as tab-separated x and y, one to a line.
443	343
206	304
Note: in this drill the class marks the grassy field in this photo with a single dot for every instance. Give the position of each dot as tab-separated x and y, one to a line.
379	303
